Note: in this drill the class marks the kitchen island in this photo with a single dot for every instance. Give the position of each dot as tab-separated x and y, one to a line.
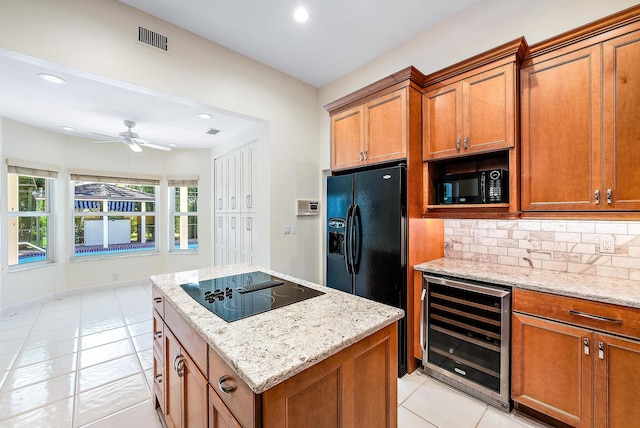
327	361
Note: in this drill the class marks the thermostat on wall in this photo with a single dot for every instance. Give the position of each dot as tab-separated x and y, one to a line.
308	207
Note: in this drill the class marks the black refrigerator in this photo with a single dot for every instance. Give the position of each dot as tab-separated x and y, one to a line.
366	240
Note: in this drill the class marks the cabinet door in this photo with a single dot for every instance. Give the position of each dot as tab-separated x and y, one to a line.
220	240
246	177
552	370
489	111
248	237
233	178
386	128
173	388
220	166
219	414
561	132
347	138
442	121
622	122
194	395
617	380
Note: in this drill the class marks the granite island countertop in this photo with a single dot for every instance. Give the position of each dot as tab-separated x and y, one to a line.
609	290
268	348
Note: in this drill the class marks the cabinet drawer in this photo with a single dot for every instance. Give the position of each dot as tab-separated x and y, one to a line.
241	401
189	339
158	381
158	334
158	300
595	315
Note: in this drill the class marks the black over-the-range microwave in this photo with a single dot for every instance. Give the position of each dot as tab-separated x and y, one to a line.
480	187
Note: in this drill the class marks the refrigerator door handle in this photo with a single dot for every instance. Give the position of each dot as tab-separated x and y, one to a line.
347	240
356	233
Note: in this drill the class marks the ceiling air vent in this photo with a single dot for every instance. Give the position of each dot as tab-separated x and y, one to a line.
212	131
152	38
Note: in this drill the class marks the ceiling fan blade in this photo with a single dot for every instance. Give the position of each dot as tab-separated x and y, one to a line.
105	141
133	146
110	137
155	146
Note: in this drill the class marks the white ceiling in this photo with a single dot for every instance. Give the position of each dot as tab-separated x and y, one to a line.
340	36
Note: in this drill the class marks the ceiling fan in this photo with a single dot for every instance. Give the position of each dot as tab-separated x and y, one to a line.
131	139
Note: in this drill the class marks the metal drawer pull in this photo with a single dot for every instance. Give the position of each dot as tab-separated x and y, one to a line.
225	389
158	300
157	334
594	317
609	196
465	143
596	196
178	365
159	378
458	144
586	346
601	350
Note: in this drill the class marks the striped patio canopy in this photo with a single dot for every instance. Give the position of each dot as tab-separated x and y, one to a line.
89	195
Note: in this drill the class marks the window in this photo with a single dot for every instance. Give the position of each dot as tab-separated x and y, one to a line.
113	215
183	199
29	215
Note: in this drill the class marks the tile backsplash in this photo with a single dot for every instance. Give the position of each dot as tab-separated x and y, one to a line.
563	246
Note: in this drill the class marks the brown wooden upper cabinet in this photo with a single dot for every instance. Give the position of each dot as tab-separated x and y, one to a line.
473	115
371	133
581	122
373	125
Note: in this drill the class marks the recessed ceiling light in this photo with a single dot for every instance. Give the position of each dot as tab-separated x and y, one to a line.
173	145
301	14
205	115
68	128
51	78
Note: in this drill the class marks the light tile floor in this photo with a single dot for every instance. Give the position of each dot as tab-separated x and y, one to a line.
87	361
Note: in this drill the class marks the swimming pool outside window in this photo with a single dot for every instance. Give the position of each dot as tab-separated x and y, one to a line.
183	201
113	215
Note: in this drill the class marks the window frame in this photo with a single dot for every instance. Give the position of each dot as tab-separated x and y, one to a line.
78	177
50	175
172	184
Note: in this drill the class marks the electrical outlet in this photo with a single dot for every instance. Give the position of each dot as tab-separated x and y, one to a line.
607	244
286	229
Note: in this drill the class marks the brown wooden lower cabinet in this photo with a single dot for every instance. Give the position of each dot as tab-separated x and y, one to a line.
356	387
575	373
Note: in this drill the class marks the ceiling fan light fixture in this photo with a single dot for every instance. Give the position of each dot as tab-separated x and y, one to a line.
51	78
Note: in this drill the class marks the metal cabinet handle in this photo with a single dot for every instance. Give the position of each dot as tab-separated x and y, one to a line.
233	203
158	378
594	317
465	143
219	203
586	346
601	350
233	223
597	197
223	388
360	157
247	201
247	223
365	155
178	365
157	299
609	196
157	334
458	144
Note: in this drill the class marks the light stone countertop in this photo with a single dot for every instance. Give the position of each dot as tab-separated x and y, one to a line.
268	348
609	290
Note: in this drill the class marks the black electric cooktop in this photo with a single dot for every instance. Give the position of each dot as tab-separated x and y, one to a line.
240	296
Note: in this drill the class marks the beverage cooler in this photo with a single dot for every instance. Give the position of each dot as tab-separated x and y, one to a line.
466	337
